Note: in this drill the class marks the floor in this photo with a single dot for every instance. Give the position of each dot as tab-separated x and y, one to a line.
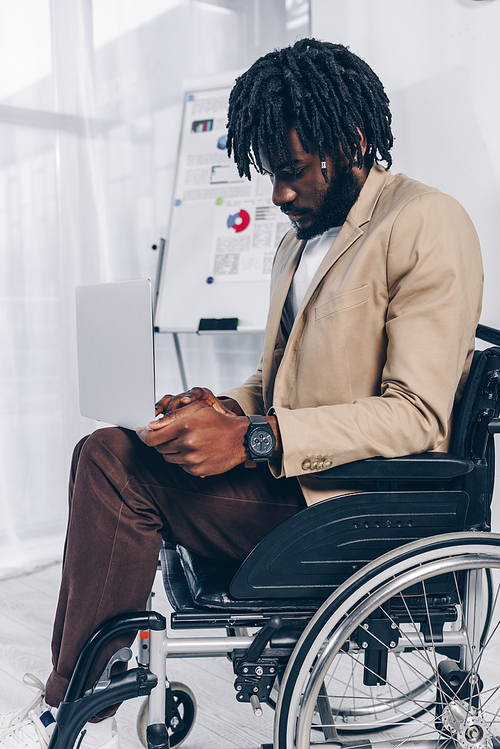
27	604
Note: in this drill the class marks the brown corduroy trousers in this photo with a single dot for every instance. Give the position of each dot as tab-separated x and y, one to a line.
124	498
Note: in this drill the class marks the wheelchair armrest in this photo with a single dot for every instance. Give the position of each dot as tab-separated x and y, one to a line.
423	466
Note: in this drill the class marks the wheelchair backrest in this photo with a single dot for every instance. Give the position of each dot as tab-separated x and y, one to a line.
470	439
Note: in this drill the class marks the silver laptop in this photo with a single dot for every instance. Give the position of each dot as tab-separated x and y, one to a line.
116	352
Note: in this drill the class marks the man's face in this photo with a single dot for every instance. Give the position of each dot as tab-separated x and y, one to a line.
312	205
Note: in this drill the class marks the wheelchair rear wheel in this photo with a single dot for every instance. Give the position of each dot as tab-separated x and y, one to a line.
179	721
427	679
413	684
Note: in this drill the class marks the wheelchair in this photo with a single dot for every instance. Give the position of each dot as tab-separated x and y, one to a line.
374	615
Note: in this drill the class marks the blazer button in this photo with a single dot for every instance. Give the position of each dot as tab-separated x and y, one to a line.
328	464
306	464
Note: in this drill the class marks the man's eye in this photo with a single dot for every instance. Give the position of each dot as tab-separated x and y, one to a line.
284	175
291	175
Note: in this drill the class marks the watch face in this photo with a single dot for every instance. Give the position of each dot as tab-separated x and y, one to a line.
261	442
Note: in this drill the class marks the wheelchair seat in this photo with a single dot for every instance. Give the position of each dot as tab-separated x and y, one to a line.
194	583
303	560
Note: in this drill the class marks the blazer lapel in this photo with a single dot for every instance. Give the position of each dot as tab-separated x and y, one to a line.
289	260
346	237
359	215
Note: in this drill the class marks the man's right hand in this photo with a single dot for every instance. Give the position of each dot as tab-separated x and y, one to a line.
204	396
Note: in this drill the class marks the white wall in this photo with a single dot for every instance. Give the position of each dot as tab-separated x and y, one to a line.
439	61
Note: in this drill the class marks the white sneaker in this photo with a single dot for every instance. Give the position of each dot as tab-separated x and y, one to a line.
31	726
101	735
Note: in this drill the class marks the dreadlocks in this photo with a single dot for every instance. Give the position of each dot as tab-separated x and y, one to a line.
323	91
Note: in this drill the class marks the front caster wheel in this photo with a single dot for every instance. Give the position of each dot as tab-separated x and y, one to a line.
179	720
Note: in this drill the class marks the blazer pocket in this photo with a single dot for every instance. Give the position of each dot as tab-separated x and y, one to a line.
343	301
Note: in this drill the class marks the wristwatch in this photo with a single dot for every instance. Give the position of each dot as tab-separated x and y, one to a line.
259	438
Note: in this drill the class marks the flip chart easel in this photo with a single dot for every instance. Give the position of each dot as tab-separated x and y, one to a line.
215	273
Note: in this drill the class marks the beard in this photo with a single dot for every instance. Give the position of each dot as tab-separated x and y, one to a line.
334	203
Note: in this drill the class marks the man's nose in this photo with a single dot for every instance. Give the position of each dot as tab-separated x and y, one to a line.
282	193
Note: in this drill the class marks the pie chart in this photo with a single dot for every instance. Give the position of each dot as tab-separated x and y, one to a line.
238	221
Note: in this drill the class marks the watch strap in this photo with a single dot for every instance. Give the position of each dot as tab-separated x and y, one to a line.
257	419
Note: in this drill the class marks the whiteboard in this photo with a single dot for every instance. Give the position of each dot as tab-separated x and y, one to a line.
223	230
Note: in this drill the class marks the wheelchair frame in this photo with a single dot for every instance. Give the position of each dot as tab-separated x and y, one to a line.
321	595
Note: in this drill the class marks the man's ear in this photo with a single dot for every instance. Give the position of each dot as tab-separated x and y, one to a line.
364	142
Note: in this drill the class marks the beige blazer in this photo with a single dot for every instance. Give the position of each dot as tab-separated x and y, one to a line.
384	337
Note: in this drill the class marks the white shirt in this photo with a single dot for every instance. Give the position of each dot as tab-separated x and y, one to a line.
312	255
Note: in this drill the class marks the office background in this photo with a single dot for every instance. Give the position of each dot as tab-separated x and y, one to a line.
91	98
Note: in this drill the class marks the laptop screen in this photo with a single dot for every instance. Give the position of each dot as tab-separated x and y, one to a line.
116	352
